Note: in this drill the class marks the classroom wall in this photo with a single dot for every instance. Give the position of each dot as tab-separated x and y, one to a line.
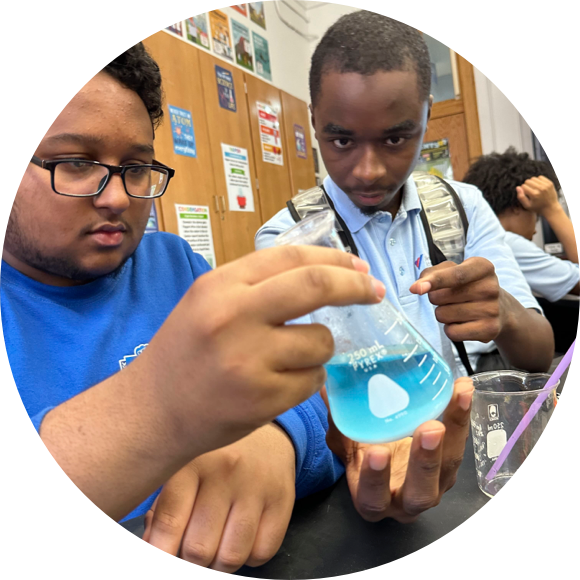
289	51
500	123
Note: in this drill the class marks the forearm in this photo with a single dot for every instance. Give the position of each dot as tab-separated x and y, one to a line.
562	227
526	340
316	466
116	442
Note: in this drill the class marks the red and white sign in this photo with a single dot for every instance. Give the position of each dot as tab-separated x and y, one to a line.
270	136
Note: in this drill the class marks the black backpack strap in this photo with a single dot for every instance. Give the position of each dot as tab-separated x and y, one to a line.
437	257
293	211
345	235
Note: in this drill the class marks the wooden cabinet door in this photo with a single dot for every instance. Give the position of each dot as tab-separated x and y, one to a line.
297	130
273	180
193	183
231	128
453	129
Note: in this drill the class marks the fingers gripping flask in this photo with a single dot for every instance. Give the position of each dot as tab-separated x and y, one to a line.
384	379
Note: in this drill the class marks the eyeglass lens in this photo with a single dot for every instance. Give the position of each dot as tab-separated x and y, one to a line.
79	178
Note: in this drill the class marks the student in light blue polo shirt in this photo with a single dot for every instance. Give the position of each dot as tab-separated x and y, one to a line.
370	104
370	110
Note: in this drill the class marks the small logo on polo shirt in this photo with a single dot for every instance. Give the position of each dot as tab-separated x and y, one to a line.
419	261
127	359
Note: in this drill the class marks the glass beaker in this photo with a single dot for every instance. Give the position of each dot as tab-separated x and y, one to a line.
384	379
500	401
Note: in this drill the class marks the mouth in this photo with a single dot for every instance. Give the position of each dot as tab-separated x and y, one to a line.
109	235
368	198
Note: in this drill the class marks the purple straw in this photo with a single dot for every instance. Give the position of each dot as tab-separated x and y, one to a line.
534	408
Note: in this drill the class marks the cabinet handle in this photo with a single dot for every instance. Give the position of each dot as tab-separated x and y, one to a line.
217	206
224	206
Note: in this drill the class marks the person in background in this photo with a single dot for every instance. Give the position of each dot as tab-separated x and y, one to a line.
519	189
155	383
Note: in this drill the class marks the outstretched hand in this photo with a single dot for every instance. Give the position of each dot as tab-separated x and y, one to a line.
401	479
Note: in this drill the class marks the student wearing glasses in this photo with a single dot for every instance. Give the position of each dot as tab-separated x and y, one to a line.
142	369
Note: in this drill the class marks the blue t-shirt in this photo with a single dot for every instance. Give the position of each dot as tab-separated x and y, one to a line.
62	341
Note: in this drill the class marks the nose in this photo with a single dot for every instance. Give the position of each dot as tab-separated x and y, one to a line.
369	168
113	197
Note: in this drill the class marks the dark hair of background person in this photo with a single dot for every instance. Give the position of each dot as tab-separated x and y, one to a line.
365	43
498	174
136	70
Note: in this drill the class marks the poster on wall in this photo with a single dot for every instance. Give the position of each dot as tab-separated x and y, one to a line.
270	137
238	179
194	226
242	45
176	28
220	34
196	30
262	56
152	223
182	132
241	8
435	159
257	14
226	90
300	140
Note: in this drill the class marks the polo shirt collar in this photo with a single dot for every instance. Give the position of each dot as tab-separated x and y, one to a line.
355	219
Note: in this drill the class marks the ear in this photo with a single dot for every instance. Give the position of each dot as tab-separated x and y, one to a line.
430	105
311	109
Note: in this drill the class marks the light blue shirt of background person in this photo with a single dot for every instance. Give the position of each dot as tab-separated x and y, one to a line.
397	252
547	275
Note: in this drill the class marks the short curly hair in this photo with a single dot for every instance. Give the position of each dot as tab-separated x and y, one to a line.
498	174
136	70
365	42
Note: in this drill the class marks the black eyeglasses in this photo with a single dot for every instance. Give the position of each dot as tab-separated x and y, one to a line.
84	178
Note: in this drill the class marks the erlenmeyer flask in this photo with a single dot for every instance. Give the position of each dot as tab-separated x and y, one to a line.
384	379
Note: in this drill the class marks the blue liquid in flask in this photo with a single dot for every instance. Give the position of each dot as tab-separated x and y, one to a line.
385	396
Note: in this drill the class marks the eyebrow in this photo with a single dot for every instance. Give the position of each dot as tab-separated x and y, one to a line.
334	129
95	140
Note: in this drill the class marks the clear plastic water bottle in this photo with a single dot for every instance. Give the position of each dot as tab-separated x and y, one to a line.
384	379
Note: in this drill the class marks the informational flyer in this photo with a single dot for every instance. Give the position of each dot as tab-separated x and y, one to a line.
435	159
194	226
262	56
300	140
182	131
225	87
242	45
176	28
196	30
241	8
220	34
270	137
152	223
238	179
257	14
